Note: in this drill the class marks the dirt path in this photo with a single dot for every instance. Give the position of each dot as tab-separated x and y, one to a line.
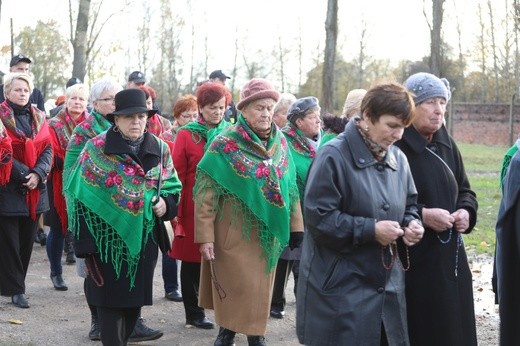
63	318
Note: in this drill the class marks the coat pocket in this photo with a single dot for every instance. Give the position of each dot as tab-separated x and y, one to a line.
332	275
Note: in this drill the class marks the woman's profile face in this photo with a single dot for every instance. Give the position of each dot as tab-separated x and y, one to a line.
19	92
310	124
386	131
213	113
131	126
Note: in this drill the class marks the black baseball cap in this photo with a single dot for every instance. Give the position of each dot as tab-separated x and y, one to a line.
72	81
137	77
17	58
218	74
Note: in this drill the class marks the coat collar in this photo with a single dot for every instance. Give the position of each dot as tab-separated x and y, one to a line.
115	144
359	150
418	143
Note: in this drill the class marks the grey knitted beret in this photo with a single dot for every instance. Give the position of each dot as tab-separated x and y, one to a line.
426	85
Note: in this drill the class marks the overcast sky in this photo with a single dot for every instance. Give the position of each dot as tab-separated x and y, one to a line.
397	29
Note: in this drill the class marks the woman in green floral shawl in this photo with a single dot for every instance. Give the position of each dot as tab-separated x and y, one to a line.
120	188
246	208
304	135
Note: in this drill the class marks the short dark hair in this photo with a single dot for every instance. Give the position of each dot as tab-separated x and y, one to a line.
388	98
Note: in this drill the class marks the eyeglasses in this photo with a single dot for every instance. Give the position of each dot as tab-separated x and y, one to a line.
109	99
189	115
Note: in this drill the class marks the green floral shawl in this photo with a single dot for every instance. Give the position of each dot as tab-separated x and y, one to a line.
259	180
302	153
113	194
201	131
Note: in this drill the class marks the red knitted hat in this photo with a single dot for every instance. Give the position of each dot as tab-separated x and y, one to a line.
256	89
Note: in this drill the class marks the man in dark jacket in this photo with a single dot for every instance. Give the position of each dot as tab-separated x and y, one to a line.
20	63
218	76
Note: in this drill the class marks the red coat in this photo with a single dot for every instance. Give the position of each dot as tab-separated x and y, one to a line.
186	155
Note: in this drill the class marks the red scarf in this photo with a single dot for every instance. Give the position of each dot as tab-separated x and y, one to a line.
6	153
61	126
27	150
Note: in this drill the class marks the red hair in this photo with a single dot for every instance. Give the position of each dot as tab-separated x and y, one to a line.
183	104
209	92
149	91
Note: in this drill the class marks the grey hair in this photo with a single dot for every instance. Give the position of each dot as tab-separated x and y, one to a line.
100	87
286	101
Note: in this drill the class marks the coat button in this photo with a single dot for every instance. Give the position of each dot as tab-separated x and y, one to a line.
361	160
380	167
386	207
380	290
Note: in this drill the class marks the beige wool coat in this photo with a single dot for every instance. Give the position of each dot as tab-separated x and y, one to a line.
239	267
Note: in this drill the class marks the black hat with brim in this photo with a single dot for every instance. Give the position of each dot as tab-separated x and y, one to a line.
130	101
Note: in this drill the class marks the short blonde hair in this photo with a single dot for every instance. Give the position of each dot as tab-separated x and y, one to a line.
353	102
77	90
12	76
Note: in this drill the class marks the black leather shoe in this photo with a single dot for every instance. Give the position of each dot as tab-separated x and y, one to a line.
175	296
277	313
41	237
59	284
70	259
143	333
202	323
94	333
20	301
256	340
225	337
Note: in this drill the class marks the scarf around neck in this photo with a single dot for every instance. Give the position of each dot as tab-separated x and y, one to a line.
6	154
63	124
27	149
201	131
259	180
92	126
302	154
113	194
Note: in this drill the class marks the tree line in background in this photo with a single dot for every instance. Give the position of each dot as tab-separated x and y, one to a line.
488	73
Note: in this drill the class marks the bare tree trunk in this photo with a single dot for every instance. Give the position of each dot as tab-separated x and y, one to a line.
362	55
300	56
79	44
483	55
493	48
461	60
516	13
331	29
436	39
281	61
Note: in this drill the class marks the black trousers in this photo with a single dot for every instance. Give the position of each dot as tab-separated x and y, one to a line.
190	276
17	234
283	270
116	324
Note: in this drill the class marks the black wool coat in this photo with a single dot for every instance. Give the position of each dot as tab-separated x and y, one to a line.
439	291
507	256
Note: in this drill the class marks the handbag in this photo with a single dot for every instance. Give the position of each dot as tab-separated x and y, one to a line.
160	231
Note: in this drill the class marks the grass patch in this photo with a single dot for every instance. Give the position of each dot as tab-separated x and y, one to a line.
483	165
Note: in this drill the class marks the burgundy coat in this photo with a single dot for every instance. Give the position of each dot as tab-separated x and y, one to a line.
187	152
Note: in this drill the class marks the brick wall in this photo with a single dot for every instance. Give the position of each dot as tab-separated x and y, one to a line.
484	123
